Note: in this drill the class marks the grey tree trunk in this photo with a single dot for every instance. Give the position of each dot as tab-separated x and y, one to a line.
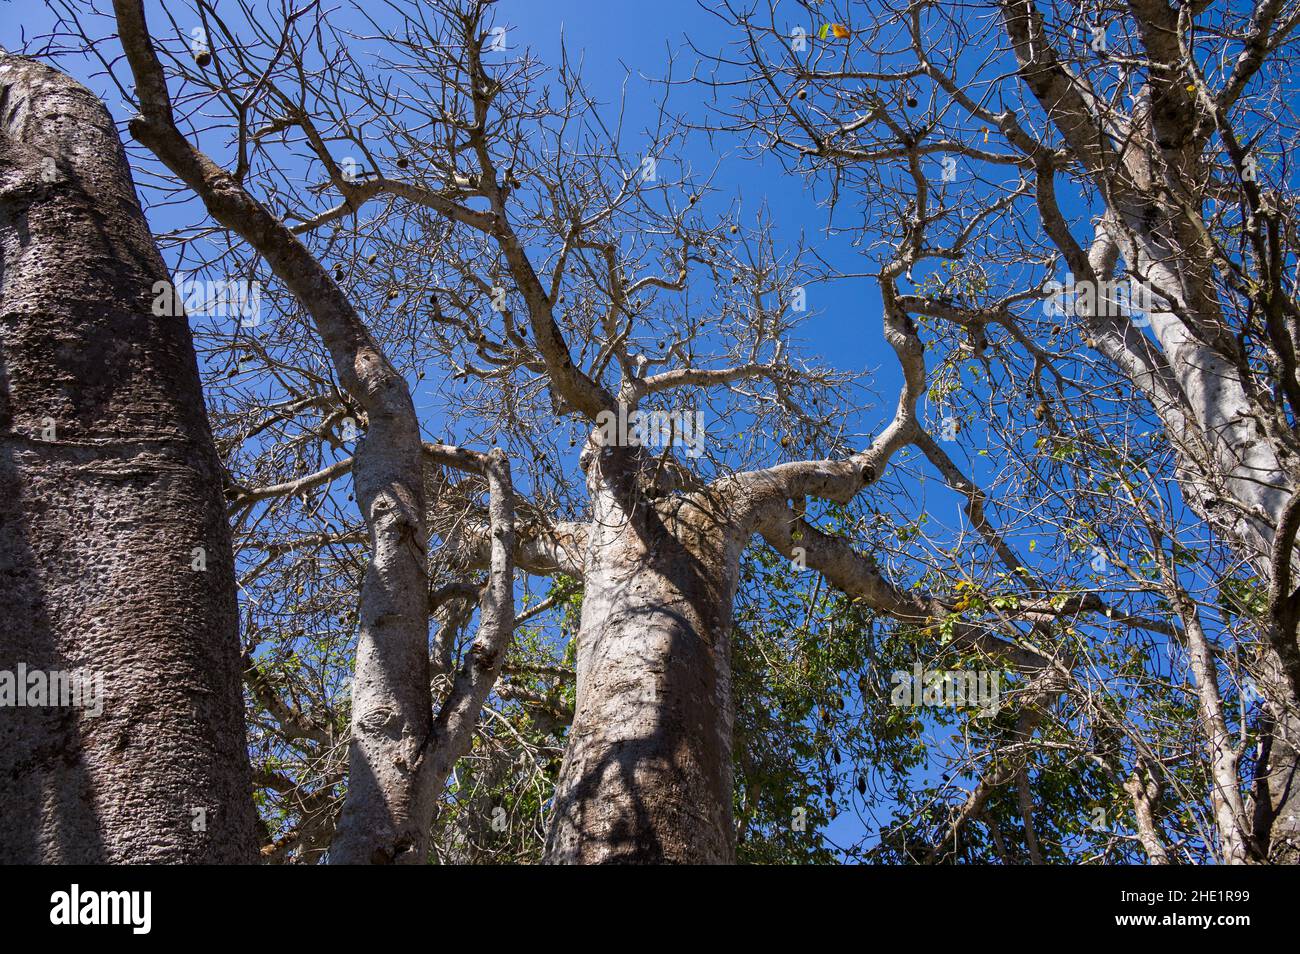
115	556
647	775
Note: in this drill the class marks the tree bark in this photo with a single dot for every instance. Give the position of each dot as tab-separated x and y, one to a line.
1220	751
1143	794
647	774
453	728
109	486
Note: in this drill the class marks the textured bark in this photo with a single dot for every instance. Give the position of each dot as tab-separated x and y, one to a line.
647	775
1276	809
99	523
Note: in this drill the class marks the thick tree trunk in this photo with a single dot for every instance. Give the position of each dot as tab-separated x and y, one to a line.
115	555
647	776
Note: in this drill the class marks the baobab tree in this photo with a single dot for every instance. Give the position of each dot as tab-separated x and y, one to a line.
688	772
544	264
459	251
114	546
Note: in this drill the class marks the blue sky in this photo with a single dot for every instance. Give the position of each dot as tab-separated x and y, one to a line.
625	46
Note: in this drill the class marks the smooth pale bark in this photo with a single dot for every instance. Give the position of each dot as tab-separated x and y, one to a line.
1259	486
1220	745
1143	795
1217	419
647	775
100	517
